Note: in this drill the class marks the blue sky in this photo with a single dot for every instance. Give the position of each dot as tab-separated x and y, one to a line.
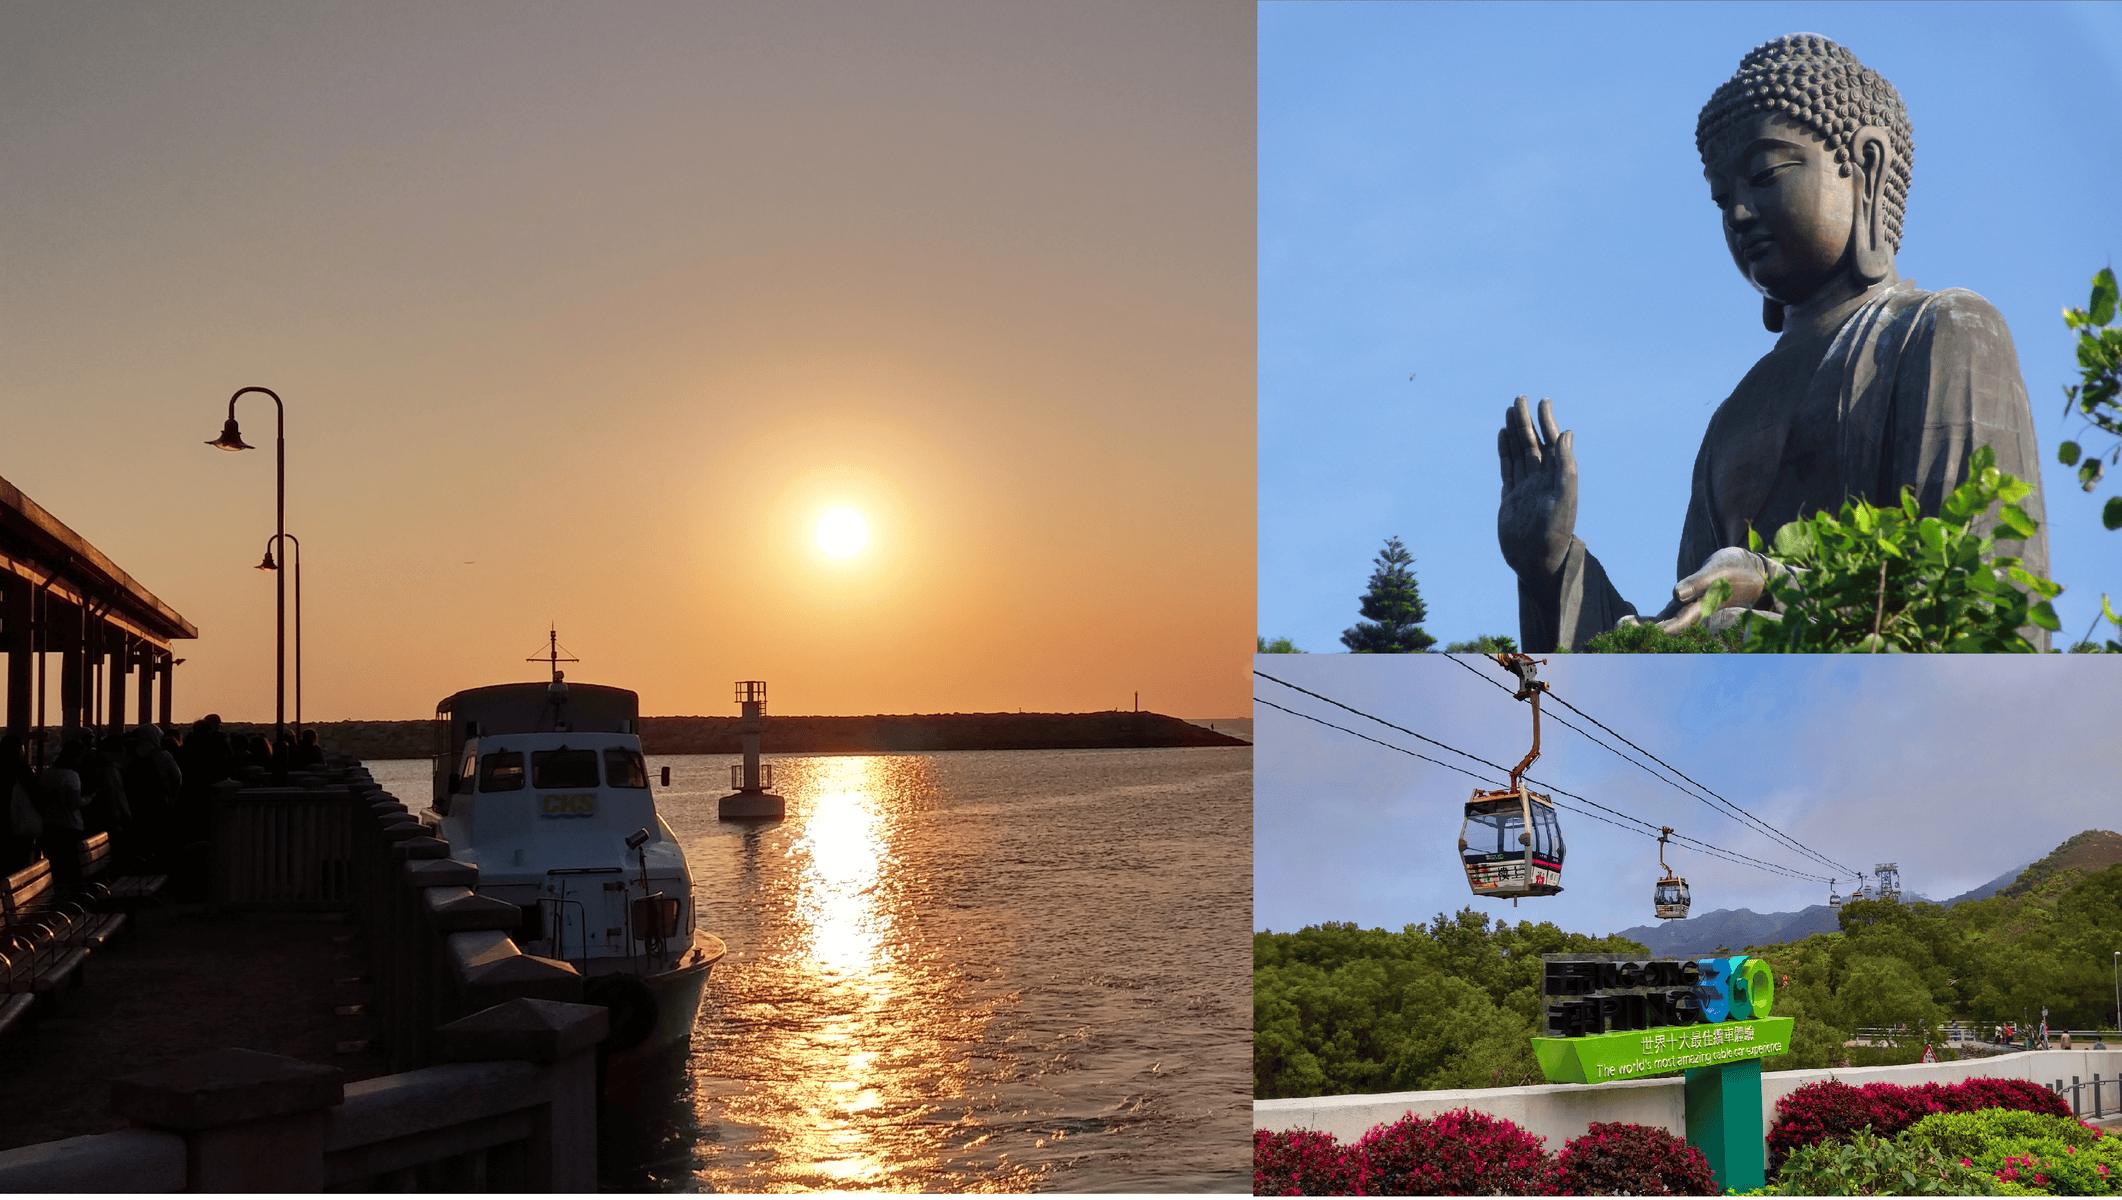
1959	768
1505	199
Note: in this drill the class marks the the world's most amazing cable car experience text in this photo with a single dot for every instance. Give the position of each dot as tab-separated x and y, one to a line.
1511	844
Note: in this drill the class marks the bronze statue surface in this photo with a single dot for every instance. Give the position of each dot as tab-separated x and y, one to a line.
1873	385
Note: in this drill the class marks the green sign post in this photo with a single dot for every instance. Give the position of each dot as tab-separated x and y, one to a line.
1720	1049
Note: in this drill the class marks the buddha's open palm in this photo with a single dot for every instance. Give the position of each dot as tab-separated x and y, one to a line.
1538	515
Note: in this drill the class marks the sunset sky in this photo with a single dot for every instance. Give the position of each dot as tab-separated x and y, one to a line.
585	314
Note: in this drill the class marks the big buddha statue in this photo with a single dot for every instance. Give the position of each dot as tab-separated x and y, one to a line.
1874	384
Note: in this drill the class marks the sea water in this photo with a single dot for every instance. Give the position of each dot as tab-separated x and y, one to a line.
966	971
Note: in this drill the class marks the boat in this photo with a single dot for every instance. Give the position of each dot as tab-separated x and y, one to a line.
543	787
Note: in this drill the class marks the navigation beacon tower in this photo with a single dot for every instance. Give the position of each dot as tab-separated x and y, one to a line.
751	777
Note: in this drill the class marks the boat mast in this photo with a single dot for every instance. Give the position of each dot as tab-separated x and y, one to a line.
551	657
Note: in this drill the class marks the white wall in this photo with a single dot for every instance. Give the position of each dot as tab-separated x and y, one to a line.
1560	1111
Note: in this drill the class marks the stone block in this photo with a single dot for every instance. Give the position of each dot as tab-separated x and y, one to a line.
538	1031
441	872
458	910
225	1087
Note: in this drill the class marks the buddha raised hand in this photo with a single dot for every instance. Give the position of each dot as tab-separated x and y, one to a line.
1874	385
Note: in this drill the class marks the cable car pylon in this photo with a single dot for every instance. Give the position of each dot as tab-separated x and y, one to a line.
1670	900
1510	843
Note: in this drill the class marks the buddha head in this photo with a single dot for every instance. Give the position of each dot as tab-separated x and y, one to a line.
1807	153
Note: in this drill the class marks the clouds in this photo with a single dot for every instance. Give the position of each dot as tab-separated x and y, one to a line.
1956	768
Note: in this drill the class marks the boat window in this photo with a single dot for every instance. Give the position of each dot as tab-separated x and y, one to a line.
501	771
563	768
1494	829
625	768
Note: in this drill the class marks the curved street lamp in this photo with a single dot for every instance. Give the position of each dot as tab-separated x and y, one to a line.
232	439
269	565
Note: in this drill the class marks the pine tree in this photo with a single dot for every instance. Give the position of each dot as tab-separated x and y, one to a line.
1392	608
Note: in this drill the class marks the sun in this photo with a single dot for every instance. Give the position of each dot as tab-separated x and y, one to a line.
841	532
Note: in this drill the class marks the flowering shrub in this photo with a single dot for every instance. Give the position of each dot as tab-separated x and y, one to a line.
1459	1153
2052	1168
1865	1164
1833	1110
1969	1135
2023	1095
1304	1162
1615	1159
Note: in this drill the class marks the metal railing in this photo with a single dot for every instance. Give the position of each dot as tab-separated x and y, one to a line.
736	775
2097	1111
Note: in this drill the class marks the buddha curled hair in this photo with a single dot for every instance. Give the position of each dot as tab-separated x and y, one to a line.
1822	86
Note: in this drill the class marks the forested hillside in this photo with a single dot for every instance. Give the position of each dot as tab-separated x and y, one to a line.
1341	1010
1337	1009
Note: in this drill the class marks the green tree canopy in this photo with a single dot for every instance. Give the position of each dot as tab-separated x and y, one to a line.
1392	608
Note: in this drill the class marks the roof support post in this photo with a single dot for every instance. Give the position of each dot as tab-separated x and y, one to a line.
15	609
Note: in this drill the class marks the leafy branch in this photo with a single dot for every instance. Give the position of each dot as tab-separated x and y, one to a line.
2096	395
1870	579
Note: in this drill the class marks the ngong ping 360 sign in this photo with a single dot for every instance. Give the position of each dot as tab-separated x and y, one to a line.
1613	1017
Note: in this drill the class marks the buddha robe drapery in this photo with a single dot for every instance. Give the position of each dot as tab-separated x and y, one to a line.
1902	393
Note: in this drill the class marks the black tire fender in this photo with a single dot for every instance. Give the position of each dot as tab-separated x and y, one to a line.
632	1006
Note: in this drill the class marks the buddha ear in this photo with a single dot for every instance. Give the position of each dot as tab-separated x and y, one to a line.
1771	315
1872	152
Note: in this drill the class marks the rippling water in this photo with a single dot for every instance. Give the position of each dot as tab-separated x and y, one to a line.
973	971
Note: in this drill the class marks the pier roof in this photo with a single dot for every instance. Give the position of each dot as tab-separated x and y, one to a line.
39	547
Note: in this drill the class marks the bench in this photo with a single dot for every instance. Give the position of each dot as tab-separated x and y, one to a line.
124	892
33	902
31	962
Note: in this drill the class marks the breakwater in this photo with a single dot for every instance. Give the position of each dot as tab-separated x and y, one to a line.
375	740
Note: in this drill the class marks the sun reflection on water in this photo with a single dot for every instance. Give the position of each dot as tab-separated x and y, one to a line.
850	1034
843	856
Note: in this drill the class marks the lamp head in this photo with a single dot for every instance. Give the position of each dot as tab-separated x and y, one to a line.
231	438
267	563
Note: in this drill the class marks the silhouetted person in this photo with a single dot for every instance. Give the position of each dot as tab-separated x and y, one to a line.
307	753
109	809
153	782
18	784
59	802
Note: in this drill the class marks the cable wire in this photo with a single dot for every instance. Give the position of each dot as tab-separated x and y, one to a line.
1718	851
1788	841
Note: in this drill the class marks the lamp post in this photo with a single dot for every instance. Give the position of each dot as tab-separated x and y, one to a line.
269	565
2118	989
232	439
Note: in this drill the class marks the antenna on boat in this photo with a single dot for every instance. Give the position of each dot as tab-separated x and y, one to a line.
551	657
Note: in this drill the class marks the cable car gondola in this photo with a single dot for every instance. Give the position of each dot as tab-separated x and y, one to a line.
1511	843
1833	901
1670	901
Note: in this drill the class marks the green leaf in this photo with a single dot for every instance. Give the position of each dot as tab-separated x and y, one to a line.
2013	520
2103	305
2067	454
2044	616
2111	515
2089	474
